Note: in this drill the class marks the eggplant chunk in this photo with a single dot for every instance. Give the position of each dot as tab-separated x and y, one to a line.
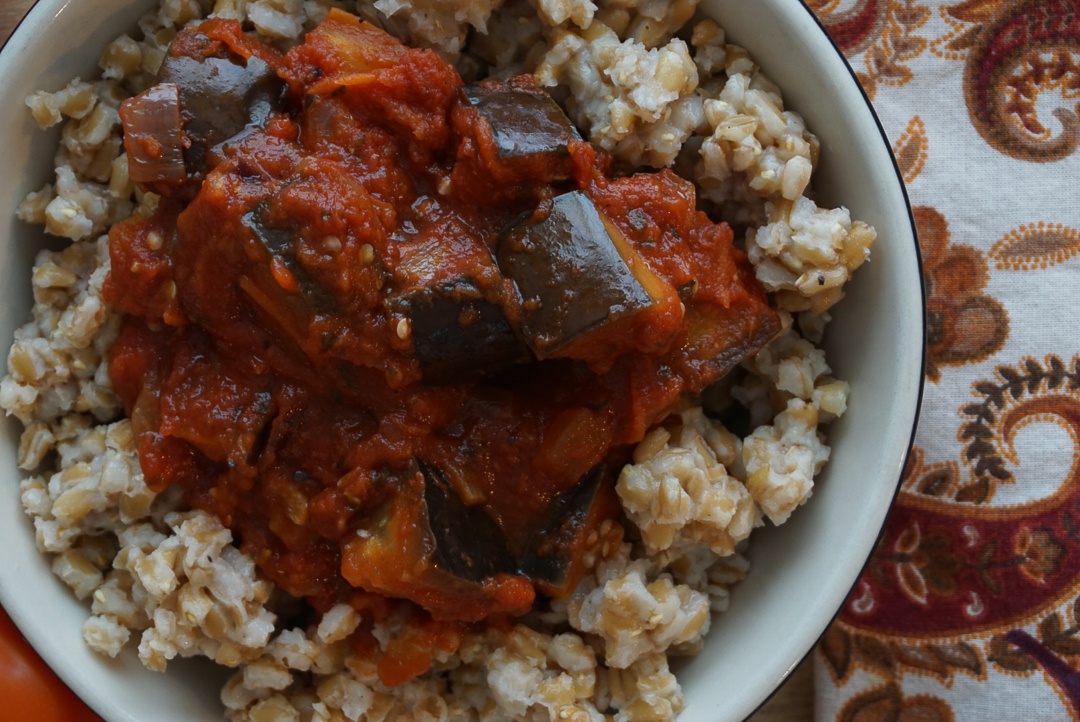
280	242
718	339
577	276
468	544
523	122
554	560
427	545
219	98
153	136
457	334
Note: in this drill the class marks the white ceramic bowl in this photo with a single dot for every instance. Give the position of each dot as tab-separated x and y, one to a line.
801	572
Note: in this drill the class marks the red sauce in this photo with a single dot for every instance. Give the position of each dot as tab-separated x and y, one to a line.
269	373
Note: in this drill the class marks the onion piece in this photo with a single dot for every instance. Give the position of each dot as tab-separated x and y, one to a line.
153	137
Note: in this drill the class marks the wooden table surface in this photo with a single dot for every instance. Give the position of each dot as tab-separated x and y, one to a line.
792	703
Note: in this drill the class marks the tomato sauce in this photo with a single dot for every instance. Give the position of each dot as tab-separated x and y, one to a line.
399	333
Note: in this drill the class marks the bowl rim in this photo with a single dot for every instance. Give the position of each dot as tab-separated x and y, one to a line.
37	16
902	184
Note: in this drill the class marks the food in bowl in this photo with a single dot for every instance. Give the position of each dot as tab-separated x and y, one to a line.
302	484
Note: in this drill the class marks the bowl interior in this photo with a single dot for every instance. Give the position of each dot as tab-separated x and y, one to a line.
59	40
800	572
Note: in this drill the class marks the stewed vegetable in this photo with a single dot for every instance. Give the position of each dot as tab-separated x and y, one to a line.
210	87
400	333
581	283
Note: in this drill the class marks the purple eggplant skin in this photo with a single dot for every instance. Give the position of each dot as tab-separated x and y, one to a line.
470	545
219	98
467	542
523	122
571	276
458	335
280	242
550	558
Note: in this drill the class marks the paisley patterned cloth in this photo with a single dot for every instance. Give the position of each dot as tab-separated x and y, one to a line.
970	606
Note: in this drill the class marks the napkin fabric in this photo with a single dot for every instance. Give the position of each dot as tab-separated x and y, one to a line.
969	608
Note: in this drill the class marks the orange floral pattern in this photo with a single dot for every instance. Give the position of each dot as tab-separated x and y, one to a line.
972	595
888	704
912	149
964	324
1034	246
1017	54
886	31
